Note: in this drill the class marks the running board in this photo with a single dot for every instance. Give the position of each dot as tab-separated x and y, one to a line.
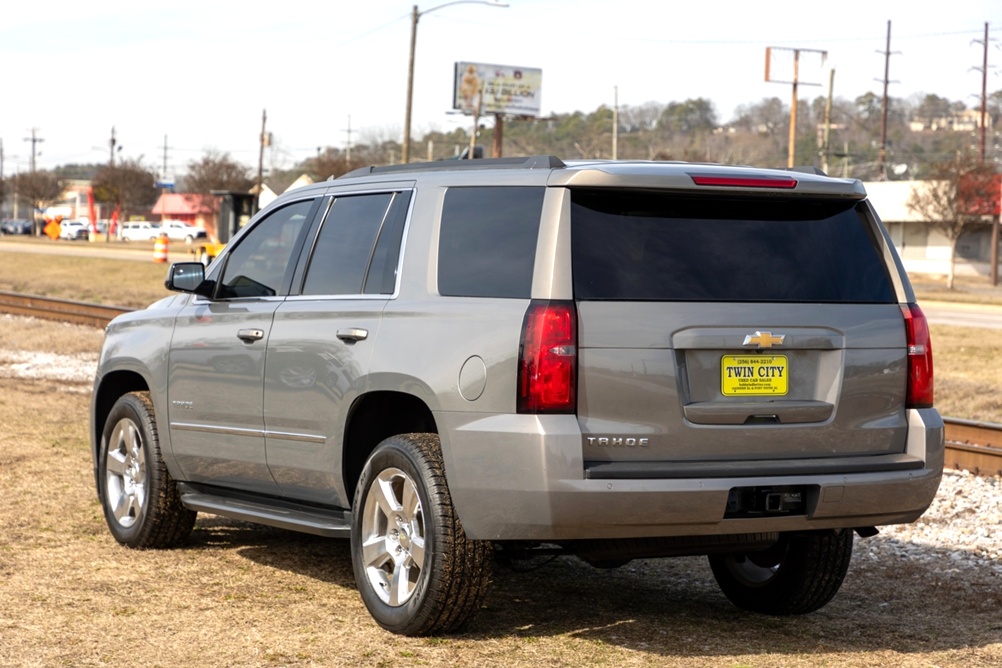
274	513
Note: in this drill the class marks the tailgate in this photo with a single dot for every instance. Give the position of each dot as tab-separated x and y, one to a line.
694	383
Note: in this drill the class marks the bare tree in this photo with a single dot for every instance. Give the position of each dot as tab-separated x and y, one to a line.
127	185
41	189
960	195
217	171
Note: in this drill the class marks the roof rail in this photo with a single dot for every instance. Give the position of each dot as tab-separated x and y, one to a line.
534	162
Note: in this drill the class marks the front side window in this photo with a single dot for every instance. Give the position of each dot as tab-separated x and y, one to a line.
262	264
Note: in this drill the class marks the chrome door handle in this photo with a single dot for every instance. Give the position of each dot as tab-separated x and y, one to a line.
250	335
352	334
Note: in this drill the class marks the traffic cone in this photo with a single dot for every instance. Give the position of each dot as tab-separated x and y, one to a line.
160	249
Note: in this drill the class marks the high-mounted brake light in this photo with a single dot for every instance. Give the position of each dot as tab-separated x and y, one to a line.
920	376
548	358
744	182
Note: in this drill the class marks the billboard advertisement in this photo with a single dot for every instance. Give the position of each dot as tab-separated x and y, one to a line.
497	89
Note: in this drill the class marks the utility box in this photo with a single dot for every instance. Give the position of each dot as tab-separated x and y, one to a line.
235	211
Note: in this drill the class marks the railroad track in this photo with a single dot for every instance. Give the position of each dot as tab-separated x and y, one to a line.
80	313
970	445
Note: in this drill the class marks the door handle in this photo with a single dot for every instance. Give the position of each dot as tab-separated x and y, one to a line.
250	335
352	334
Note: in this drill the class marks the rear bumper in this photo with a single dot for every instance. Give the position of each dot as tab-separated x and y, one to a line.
521	477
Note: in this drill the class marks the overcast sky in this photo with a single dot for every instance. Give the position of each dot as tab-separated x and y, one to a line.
201	72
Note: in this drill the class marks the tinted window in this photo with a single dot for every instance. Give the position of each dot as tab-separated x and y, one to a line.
487	245
345	245
653	246
382	275
260	265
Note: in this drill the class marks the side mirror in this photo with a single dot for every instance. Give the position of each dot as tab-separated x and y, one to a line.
188	277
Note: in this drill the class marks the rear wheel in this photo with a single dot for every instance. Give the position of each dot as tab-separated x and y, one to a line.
798	575
417	572
139	497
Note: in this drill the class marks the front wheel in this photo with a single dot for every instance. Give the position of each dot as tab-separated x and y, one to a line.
799	574
139	497
417	572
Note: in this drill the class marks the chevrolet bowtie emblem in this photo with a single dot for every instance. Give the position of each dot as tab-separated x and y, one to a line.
763	340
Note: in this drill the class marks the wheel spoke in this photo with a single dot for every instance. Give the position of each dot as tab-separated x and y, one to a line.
400	585
376	552
115	462
410	504
417	550
385	496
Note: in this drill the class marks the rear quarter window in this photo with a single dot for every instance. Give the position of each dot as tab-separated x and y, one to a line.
643	246
487	241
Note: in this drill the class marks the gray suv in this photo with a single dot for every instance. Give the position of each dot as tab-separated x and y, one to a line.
453	362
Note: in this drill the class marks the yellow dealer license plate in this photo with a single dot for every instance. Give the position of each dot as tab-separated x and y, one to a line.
754	375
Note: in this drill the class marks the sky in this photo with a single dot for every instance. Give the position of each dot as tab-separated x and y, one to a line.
177	79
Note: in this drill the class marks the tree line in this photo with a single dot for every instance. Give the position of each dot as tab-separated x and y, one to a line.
687	130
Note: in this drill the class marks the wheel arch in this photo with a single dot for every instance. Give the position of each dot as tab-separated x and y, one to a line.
376	416
112	386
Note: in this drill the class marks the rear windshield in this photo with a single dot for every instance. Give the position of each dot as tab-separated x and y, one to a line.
643	246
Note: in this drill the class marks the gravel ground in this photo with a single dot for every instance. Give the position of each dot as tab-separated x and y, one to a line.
964	520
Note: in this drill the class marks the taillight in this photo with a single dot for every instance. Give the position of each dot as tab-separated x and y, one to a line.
784	183
919	358
548	358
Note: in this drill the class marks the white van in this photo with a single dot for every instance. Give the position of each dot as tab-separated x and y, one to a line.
139	231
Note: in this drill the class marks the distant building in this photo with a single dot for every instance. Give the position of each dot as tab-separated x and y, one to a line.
923	248
967	120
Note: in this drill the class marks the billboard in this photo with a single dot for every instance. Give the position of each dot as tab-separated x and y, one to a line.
497	89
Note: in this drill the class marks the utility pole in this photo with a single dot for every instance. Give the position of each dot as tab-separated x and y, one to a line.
615	122
984	91
795	81
260	159
35	140
111	143
826	138
882	157
348	153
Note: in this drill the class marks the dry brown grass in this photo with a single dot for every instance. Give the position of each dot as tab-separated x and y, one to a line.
968	368
243	595
130	284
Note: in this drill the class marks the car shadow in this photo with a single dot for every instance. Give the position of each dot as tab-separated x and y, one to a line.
673	608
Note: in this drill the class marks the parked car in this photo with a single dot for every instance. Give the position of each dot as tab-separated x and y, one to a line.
139	231
519	357
178	230
74	229
16	226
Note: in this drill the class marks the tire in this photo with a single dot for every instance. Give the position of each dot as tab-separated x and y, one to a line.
138	495
417	572
800	574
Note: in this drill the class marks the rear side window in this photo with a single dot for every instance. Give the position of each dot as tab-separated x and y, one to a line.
487	242
630	246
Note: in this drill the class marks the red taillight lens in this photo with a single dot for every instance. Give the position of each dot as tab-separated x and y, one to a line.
548	359
920	383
